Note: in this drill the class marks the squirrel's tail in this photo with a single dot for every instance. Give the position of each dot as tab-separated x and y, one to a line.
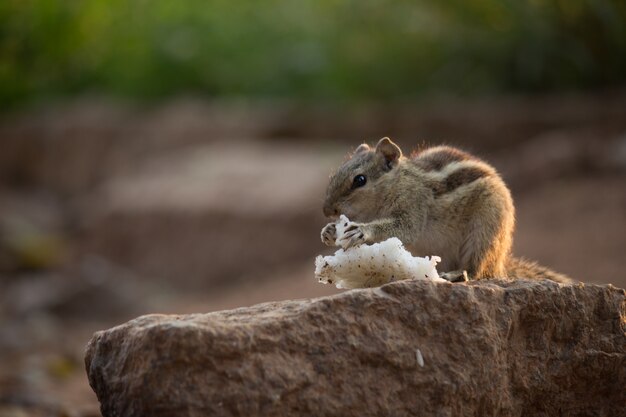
524	269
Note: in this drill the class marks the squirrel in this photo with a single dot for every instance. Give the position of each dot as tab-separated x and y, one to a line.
440	200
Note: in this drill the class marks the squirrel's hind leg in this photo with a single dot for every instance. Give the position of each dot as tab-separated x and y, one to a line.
455	276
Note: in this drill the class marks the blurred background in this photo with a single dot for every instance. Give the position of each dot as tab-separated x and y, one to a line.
171	157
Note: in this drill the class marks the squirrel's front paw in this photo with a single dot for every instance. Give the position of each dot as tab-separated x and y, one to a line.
353	235
329	234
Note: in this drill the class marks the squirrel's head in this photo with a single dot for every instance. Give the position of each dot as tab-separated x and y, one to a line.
356	188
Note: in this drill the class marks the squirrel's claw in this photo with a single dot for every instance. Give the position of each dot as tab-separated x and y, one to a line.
329	234
353	236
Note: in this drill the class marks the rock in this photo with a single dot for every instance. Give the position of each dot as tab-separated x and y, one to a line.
408	348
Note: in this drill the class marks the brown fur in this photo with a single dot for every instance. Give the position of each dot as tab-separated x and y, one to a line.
441	201
522	268
460	177
434	159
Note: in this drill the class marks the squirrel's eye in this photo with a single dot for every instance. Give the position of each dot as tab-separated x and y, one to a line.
359	181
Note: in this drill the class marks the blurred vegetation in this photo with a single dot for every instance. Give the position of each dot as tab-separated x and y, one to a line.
309	49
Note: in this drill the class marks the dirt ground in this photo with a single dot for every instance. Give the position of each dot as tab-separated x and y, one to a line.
109	211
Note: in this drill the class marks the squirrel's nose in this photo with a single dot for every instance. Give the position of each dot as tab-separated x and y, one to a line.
330	211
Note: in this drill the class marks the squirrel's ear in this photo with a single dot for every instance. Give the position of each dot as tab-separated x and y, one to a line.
389	150
362	148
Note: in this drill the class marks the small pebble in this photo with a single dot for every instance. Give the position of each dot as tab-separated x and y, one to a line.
419	357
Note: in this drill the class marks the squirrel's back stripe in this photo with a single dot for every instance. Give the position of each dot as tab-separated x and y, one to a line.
435	159
462	176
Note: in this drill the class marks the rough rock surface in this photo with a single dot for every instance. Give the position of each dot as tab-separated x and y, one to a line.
409	348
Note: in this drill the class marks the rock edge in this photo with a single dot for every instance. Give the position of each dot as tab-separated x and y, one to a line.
501	348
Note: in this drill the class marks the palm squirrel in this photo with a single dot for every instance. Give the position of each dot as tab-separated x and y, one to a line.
439	201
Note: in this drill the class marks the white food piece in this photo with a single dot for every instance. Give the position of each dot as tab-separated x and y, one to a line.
373	265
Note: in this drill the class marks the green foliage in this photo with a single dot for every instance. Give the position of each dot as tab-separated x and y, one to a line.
309	49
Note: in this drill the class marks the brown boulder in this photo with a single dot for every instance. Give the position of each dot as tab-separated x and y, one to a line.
489	348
